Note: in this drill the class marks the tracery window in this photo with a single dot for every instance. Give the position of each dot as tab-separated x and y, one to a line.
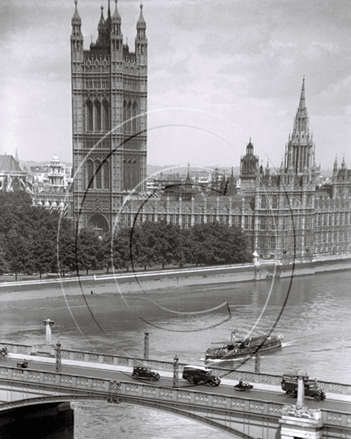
97	116
135	120
98	173
105	117
90	174
89	116
263	202
275	202
106	173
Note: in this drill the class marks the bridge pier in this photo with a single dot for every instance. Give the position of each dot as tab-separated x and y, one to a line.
300	422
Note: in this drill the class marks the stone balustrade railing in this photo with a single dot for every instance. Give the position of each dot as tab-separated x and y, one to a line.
66	383
125	361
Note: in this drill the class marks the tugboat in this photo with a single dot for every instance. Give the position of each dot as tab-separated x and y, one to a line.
242	349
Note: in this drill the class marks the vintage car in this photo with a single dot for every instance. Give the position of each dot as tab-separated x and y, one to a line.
312	388
200	375
144	373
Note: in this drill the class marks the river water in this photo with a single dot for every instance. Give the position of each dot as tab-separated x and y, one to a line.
312	312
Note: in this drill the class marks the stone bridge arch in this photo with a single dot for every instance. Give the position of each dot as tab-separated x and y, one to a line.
46	402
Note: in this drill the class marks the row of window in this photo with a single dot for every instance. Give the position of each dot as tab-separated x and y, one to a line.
335	236
90	144
335	219
185	219
130	111
272	203
97	117
97	84
97	174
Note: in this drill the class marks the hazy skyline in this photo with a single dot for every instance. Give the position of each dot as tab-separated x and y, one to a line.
229	69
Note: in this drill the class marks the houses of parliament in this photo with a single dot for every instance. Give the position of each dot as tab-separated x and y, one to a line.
285	213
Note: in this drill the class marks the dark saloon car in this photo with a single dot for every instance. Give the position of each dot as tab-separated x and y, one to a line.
144	373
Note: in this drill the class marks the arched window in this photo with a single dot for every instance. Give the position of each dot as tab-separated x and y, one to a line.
105	116
90	174
97	116
129	174
106	175
134	180
129	115
97	174
125	116
135	120
263	202
89	116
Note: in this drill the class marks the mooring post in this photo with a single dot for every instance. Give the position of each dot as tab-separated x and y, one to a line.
146	345
58	357
48	324
175	371
257	362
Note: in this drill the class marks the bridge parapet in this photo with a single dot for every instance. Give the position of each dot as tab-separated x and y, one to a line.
65	384
125	361
17	384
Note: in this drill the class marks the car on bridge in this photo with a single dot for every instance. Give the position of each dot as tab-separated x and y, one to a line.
200	376
312	388
144	373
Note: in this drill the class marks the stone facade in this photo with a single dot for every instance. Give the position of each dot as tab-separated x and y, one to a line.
286	214
109	105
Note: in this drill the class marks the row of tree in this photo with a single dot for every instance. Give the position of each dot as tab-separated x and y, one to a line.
33	240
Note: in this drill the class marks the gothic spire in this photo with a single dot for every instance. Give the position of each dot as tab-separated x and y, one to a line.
302	104
76	18
102	20
116	18
141	23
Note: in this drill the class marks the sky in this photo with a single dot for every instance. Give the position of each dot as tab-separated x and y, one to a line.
219	73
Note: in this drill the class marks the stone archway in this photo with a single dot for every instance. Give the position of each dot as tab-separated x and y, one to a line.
99	224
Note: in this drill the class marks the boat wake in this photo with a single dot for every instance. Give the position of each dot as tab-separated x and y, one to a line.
289	344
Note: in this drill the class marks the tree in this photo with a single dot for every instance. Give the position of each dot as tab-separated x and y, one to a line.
18	254
44	251
89	248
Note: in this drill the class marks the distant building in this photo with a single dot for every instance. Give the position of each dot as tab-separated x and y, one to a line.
52	189
12	177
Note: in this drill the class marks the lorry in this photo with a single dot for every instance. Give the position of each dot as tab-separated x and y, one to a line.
313	389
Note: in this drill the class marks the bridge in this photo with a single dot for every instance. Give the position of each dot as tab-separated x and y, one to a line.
265	412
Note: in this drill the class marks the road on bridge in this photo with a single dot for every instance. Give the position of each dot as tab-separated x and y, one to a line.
226	387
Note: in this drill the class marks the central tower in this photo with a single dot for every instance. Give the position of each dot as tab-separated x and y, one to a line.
109	122
300	152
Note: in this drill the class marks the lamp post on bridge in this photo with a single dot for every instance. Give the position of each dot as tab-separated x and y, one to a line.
58	357
146	345
175	371
257	361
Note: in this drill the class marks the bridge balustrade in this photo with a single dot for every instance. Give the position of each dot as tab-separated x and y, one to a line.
125	361
27	385
56	383
64	383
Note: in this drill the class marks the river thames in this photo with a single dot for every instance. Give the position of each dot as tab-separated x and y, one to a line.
312	312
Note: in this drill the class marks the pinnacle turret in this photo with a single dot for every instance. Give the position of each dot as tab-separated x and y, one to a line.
101	23
141	23
116	18
76	20
76	24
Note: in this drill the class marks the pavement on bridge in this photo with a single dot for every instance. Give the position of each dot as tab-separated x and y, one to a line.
274	393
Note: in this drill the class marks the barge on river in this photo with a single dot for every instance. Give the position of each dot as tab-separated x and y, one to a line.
242	349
